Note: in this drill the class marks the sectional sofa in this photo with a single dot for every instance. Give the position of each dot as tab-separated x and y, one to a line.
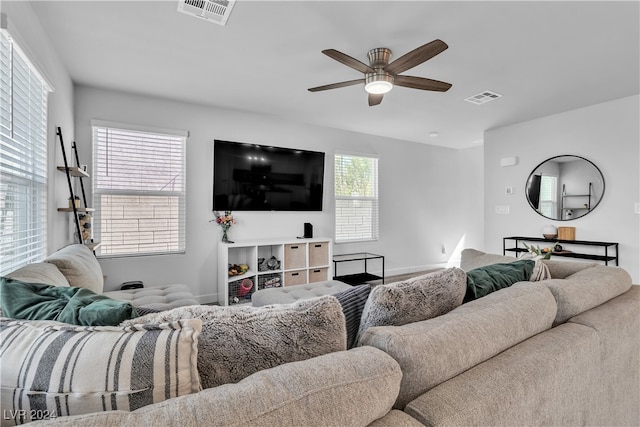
561	351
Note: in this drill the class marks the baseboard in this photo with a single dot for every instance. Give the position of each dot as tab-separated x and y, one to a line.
208	299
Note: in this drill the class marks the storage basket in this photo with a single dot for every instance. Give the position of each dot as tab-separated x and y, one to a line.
567	233
270	281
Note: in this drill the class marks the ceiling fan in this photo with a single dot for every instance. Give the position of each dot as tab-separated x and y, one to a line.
380	75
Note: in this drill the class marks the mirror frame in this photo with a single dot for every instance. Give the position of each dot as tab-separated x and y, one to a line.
526	188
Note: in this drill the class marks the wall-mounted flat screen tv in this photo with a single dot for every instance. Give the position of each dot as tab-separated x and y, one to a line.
250	177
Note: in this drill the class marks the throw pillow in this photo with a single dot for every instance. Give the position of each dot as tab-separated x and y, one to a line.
484	280
78	264
540	271
352	301
40	272
55	370
414	300
76	306
238	341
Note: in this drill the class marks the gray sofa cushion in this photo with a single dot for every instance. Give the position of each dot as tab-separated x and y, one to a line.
396	418
40	272
550	379
563	269
78	264
432	351
237	341
413	300
587	289
473	258
618	325
318	392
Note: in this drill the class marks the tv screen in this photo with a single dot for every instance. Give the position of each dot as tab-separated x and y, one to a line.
250	177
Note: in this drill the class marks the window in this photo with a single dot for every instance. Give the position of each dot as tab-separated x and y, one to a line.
356	197
548	196
23	159
138	190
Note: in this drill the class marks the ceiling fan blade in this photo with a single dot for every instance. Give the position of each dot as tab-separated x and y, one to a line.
336	85
416	56
375	99
348	61
421	83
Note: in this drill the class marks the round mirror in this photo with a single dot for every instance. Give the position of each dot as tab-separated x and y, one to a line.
563	188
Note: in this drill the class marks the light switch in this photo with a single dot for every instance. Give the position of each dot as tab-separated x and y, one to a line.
508	190
636	207
502	210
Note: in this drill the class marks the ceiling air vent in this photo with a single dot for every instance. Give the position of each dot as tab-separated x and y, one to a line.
212	10
483	98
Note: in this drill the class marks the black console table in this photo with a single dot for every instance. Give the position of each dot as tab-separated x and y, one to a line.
608	256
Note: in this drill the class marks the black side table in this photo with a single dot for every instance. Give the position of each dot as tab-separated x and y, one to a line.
357	278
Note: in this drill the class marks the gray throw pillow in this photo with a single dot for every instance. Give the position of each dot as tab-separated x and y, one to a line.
353	301
414	300
238	341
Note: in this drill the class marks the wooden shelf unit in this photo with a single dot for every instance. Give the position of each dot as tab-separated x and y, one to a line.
573	204
606	258
77	211
299	261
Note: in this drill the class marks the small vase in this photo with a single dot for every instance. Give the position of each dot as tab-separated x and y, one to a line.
225	238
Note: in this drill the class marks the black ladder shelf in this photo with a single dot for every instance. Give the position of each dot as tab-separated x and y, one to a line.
79	212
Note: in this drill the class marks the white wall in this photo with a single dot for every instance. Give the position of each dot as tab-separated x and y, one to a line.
430	196
24	26
608	134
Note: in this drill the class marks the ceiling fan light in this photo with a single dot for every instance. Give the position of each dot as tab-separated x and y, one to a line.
378	87
378	83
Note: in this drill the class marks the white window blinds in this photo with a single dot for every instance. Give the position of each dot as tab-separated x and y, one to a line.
139	191
548	196
23	159
356	198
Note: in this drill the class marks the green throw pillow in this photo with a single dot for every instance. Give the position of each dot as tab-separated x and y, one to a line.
484	280
77	306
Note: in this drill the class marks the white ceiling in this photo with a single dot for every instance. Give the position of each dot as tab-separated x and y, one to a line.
543	57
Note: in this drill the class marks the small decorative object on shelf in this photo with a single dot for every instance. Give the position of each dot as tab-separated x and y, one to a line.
85	227
245	287
225	221
74	201
237	269
271	264
550	232
540	253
